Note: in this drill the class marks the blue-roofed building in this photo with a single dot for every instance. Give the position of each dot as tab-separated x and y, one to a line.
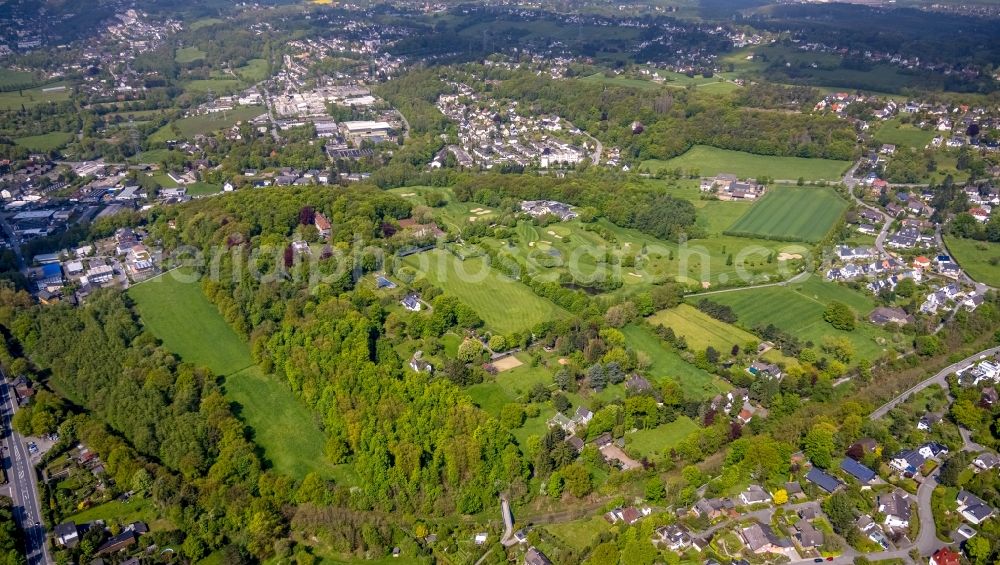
382	282
51	275
860	472
823	480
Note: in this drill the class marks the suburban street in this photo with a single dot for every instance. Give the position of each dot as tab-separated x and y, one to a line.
22	486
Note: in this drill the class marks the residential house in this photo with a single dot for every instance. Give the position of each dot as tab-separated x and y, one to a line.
534	556
989	397
712	508
986	461
576	443
863	474
323	225
885	315
896	508
583	416
907	461
760	538
754	494
411	302
808	535
66	534
673	537
117	543
638	385
762	369
927	421
794	490
823	480
973	508
945	556
561	421
932	449
418	364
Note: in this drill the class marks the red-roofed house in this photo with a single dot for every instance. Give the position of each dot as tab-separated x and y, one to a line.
323	225
980	214
922	262
945	556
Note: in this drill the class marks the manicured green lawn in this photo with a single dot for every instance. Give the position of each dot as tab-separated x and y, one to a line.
46	142
701	330
489	396
200	188
667	364
519	380
115	512
189	54
254	71
177	312
505	305
798	310
216	85
579	534
205	124
661	439
980	259
792	214
642	84
710	161
898	133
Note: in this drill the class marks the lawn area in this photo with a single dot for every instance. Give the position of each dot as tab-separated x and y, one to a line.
642	84
518	381
798	310
216	85
579	534
661	439
710	161
667	364
282	427
204	124
505	305
201	188
46	142
136	509
898	133
189	55
792	214
33	97
204	22
701	330
254	71
979	259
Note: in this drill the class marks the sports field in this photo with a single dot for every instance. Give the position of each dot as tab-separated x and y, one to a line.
505	305
980	259
898	133
701	330
798	310
667	364
710	161
45	142
659	440
789	213
205	124
189	325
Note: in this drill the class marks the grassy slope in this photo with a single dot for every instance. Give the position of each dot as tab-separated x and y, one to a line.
798	310
189	127
701	330
668	364
505	305
45	142
976	258
903	134
710	161
661	439
189	325
801	214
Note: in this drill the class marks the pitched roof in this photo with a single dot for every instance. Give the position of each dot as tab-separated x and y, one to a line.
820	478
857	470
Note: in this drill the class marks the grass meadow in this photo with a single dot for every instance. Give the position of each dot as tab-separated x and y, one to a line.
897	133
980	259
14	100
710	161
701	330
667	364
45	142
189	55
206	123
798	310
792	214
661	439
505	305
288	434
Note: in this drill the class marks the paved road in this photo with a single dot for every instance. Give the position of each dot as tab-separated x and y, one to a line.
938	378
850	182
23	486
797	278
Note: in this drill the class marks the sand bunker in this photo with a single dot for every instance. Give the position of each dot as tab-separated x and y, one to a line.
563	361
481	212
409	194
786	256
507	363
636	275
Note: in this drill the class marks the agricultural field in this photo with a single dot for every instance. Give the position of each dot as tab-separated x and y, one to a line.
46	142
701	330
204	124
710	161
798	310
14	100
792	214
979	259
897	133
667	364
661	439
284	428
505	305
189	55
